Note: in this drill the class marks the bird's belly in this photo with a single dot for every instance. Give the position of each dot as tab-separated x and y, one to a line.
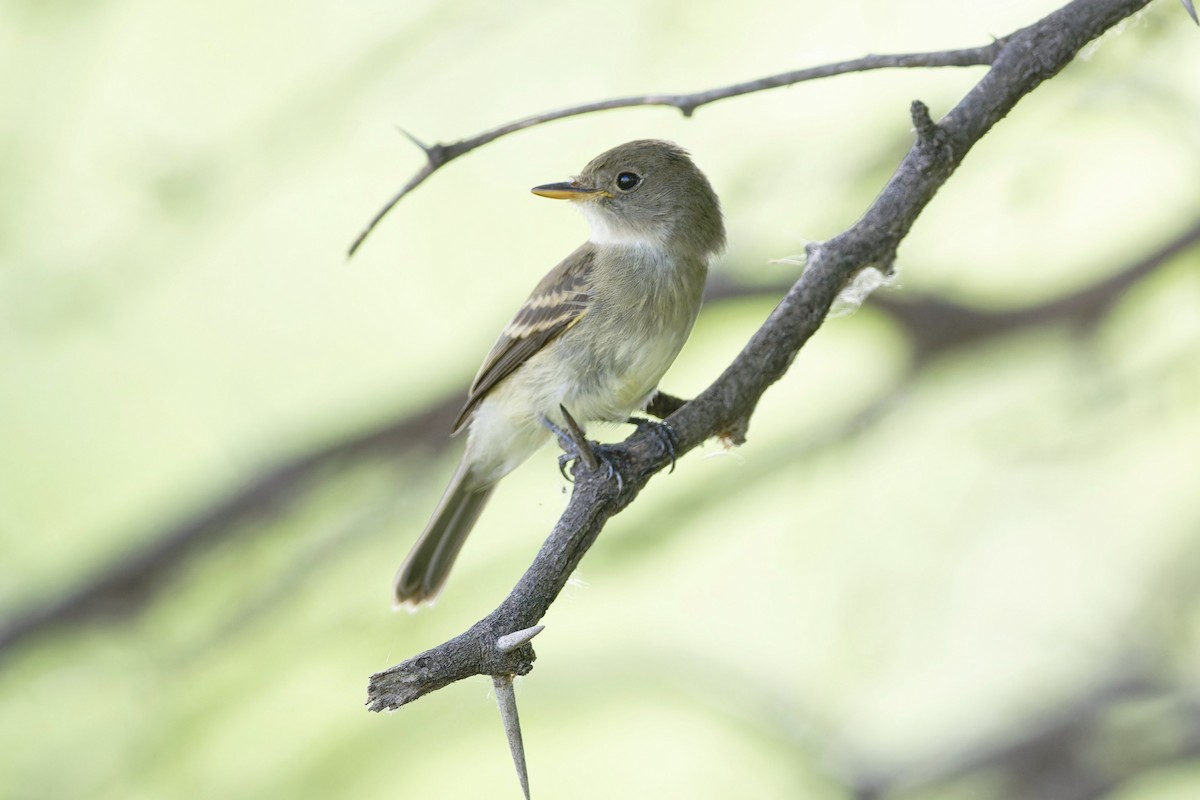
619	378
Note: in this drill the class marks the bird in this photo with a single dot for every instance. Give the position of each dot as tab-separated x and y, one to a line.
591	342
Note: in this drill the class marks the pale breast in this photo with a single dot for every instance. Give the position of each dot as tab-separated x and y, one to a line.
644	308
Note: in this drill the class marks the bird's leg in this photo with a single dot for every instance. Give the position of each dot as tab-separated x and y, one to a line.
565	440
583	448
567	443
573	441
592	455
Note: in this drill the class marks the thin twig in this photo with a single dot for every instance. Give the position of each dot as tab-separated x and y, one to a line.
439	155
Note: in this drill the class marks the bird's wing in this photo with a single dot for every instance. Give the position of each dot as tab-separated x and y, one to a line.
560	300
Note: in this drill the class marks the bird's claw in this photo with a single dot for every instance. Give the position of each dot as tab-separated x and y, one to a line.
563	461
579	449
604	458
665	433
602	455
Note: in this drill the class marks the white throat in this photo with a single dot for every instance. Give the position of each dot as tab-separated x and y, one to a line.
604	232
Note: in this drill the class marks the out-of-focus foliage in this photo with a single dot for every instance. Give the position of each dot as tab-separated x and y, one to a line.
1016	528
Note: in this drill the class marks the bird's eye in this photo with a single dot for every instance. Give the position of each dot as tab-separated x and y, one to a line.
627	180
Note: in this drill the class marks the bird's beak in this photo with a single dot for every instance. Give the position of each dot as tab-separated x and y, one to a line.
568	190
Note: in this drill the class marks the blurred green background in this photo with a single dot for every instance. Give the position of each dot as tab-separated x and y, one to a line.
924	554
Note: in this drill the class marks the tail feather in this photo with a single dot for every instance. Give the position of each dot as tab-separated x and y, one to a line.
423	573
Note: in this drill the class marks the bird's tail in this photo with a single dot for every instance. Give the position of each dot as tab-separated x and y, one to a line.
422	575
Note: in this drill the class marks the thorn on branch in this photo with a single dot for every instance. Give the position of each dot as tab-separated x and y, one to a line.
424	147
583	448
506	699
1191	10
436	154
511	641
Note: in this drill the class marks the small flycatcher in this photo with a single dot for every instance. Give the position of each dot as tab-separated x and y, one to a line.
594	338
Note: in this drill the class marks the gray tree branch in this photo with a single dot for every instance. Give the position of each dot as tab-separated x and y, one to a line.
1023	61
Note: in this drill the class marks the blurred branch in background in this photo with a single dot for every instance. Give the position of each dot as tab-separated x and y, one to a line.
1134	716
134	581
1083	750
934	327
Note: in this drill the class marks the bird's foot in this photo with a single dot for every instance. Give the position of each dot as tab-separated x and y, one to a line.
599	454
663	431
593	454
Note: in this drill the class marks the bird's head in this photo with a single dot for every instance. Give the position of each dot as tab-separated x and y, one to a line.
646	192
